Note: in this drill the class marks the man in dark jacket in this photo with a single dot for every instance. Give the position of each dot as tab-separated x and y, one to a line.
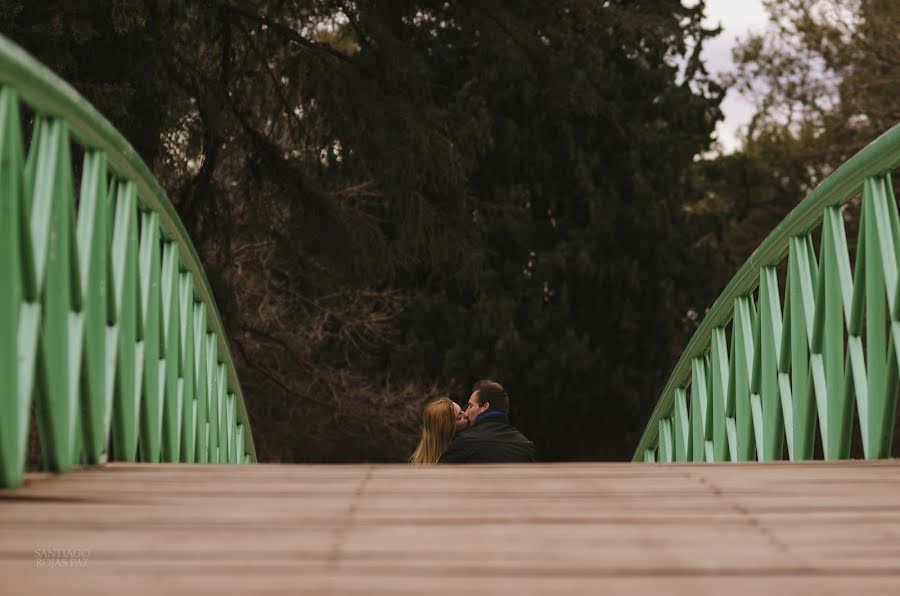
490	437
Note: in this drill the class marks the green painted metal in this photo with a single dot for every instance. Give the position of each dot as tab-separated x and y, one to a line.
201	389
701	423
719	395
93	248
811	360
681	424
107	321
170	359
125	319
62	326
20	316
187	388
151	402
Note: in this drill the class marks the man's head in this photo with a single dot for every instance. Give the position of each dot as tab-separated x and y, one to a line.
486	395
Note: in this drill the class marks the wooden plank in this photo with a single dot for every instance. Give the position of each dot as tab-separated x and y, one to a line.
566	528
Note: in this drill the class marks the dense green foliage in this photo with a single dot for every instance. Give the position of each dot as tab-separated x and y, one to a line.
394	199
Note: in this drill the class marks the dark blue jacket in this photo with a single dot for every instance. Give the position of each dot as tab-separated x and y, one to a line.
492	440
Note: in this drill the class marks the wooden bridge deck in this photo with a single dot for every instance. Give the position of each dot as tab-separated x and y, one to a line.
566	528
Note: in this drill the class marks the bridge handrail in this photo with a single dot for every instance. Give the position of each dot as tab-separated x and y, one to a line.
53	101
875	160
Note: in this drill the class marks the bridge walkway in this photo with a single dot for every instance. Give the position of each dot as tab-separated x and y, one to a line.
581	528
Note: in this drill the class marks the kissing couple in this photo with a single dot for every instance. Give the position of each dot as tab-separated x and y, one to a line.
479	434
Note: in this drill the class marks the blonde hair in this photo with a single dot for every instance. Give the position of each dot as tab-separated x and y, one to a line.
438	427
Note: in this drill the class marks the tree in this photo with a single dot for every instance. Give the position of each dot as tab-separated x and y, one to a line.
822	78
395	198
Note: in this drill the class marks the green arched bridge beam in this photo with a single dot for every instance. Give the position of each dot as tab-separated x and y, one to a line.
108	326
764	374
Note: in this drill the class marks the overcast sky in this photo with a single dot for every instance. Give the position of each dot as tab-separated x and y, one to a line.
737	18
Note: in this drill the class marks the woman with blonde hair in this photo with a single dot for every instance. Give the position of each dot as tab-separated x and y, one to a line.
440	421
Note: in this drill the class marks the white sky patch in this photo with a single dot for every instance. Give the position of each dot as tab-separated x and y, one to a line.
737	18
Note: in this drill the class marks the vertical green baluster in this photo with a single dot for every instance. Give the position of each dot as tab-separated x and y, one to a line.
753	373
152	403
239	445
888	407
682	426
30	272
885	430
868	295
35	252
817	362
93	242
719	394
129	369
881	233
76	315
855	329
700	410
666	447
670	438
708	449
660	441
730	408
188	368
19	309
231	456
221	391
882	246
179	418
171	364
754	317
756	414
784	369
888	189
60	347
768	357
741	371
815	324
112	326
212	396
802	308
194	436
855	380
839	402
201	385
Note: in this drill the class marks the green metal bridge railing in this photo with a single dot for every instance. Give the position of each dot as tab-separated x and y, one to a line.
832	354
106	315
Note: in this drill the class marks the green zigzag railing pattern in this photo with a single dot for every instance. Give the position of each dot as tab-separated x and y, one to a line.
828	352
106	316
